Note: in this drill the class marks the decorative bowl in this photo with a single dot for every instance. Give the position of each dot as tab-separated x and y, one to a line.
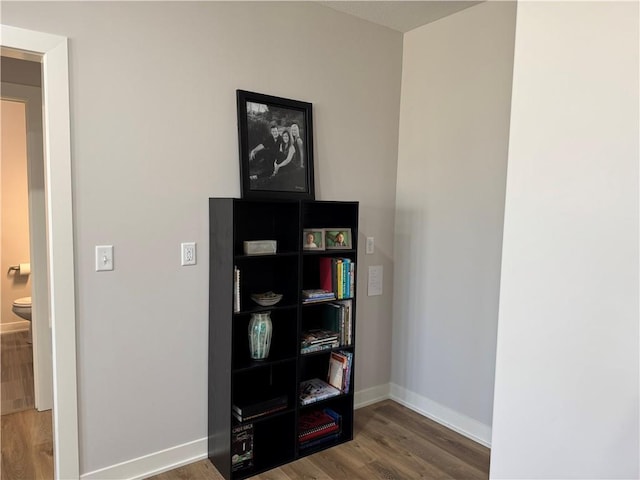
266	299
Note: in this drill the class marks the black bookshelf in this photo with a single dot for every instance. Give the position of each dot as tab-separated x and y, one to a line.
233	376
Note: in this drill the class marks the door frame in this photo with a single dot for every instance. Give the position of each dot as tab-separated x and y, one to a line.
53	52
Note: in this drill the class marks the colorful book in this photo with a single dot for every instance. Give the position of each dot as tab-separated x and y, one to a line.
315	390
352	279
317	336
317	293
316	424
319	299
329	430
337	317
347	373
319	347
339	371
337	368
337	275
326	277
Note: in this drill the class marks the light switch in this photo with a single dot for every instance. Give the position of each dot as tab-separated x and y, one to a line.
104	258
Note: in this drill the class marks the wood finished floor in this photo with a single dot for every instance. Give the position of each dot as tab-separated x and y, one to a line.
26	437
16	372
26	445
390	442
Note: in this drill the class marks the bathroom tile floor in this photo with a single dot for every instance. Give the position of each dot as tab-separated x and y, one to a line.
16	373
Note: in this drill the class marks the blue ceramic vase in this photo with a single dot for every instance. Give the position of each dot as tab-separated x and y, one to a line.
260	329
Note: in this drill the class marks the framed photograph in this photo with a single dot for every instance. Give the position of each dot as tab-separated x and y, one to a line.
338	238
276	147
313	239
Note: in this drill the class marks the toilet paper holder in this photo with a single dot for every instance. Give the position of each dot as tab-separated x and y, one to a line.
22	269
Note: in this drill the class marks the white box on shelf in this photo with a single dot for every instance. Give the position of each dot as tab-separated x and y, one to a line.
260	247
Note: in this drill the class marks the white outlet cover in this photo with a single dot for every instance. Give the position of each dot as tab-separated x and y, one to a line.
370	246
188	253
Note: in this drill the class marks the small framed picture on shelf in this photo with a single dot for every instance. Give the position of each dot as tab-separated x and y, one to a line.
338	238
313	239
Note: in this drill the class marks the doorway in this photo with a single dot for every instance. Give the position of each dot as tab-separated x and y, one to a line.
24	240
52	51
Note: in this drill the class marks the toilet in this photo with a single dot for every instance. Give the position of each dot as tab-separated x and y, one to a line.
22	307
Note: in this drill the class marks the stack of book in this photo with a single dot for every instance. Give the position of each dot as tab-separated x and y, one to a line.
242	447
338	275
314	390
339	375
250	411
317	295
337	317
317	427
317	340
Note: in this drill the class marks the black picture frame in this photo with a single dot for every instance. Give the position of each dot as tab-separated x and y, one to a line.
275	170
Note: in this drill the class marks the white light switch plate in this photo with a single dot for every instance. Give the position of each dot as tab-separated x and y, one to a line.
104	258
374	286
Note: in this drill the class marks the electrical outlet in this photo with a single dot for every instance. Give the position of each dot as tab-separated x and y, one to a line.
188	251
370	246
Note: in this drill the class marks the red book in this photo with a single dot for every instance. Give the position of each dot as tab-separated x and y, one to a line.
326	279
319	433
315	424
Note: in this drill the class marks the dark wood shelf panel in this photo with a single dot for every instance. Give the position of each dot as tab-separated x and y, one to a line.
320	302
250	364
327	350
258	308
243	257
325	402
329	253
305	452
235	422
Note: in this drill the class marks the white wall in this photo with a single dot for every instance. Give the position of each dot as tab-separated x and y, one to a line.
566	395
153	136
454	123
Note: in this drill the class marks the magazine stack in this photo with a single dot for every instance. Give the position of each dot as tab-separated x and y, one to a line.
317	427
250	411
316	340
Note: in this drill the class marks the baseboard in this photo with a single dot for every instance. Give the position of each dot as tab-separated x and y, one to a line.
165	460
467	426
152	464
11	327
368	396
174	457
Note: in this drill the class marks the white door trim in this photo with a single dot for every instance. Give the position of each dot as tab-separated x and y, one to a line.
57	147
